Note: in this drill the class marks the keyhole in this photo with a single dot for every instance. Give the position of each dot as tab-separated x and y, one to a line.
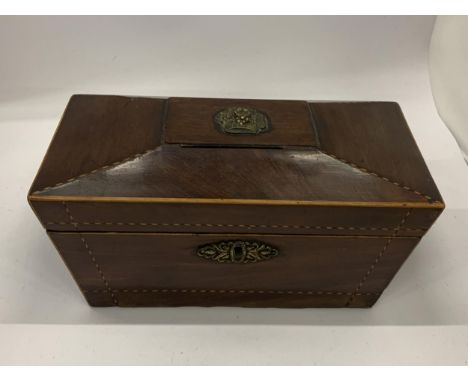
237	252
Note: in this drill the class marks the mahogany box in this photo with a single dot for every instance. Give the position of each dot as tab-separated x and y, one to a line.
232	202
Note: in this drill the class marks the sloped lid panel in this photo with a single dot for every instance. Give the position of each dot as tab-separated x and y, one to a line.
374	137
97	131
219	173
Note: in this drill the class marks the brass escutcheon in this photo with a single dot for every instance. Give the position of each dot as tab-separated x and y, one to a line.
237	252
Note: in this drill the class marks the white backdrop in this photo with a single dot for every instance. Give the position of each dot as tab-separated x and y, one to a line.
448	65
421	318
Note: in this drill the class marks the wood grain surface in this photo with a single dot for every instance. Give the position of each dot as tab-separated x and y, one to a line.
190	121
143	269
131	186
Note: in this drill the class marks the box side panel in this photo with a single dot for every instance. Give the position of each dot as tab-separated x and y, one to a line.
164	269
82	264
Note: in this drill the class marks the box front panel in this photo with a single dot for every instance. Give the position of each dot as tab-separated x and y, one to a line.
148	269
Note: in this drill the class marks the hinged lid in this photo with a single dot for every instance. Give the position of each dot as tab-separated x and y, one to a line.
204	165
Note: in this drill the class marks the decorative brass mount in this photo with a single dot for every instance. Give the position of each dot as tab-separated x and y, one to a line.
237	251
241	120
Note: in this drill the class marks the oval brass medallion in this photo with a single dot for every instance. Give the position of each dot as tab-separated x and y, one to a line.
237	251
241	120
